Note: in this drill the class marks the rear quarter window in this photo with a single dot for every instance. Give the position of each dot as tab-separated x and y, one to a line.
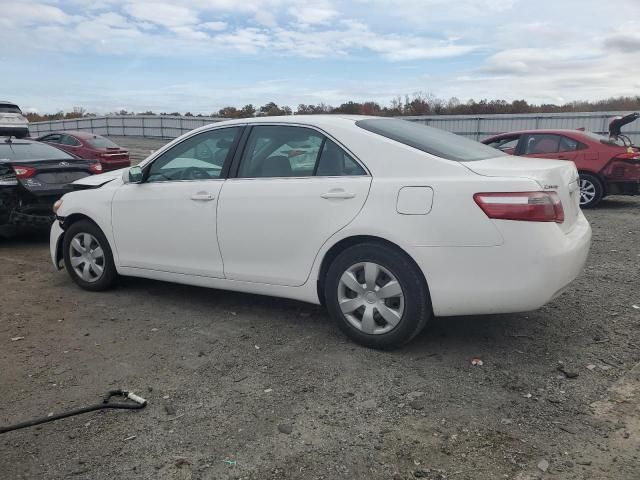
436	142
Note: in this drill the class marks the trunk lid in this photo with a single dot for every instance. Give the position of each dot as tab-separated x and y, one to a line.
551	175
52	177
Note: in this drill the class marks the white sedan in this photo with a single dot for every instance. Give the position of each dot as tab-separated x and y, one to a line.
386	222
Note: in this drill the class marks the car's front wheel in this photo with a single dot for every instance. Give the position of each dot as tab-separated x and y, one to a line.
377	295
88	257
591	190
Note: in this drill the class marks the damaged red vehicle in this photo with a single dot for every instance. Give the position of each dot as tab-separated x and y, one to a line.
607	165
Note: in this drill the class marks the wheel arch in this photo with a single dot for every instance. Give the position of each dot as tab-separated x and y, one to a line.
347	242
68	221
603	181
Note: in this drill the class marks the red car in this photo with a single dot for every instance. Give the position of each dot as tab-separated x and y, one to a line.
88	145
607	166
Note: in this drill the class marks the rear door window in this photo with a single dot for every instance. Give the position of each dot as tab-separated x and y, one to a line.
540	144
53	138
70	141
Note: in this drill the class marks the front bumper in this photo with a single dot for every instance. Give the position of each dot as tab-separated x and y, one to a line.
55	244
535	264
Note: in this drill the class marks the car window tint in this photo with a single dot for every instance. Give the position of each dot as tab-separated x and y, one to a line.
9	108
505	143
434	141
568	144
335	162
280	151
55	138
541	143
101	142
70	141
201	157
31	151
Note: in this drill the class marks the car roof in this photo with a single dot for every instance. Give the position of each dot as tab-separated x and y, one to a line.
16	141
316	120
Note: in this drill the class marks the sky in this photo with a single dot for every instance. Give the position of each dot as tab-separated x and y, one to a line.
202	55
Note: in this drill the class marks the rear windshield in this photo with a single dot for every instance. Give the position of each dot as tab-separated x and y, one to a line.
31	151
8	108
101	142
431	140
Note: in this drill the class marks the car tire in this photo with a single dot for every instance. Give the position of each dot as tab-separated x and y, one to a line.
591	190
362	308
88	257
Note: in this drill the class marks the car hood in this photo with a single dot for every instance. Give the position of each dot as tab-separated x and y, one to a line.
99	180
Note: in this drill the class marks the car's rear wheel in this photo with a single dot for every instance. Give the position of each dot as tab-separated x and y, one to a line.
88	257
377	295
591	190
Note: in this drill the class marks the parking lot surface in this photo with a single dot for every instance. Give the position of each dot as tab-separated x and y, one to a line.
243	386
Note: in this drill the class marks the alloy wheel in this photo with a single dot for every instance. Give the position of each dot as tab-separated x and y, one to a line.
587	191
87	257
371	298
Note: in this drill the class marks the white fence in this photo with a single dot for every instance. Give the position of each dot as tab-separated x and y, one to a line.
151	126
474	126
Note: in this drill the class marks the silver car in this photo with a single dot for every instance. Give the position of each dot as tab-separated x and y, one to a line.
12	122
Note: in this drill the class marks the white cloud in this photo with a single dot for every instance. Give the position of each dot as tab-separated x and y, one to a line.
313	13
163	14
214	26
469	48
266	18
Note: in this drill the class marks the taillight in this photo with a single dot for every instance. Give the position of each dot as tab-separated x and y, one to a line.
24	172
524	206
629	157
96	167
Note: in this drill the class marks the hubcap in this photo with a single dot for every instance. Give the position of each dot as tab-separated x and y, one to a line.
371	298
87	257
587	191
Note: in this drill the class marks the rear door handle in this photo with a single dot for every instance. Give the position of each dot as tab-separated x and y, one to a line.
338	194
203	197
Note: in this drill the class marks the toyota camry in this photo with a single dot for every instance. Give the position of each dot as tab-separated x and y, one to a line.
384	221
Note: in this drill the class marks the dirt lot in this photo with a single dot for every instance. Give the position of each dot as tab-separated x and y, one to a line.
242	386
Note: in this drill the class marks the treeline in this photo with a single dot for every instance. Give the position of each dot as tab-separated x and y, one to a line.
416	104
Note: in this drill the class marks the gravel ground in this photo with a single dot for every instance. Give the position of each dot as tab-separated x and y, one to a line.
243	386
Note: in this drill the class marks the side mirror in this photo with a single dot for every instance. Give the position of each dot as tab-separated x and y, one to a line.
132	175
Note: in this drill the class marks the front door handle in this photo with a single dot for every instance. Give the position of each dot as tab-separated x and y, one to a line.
203	197
338	194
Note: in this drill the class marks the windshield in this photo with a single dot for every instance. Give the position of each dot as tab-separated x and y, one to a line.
430	140
31	152
8	108
101	142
